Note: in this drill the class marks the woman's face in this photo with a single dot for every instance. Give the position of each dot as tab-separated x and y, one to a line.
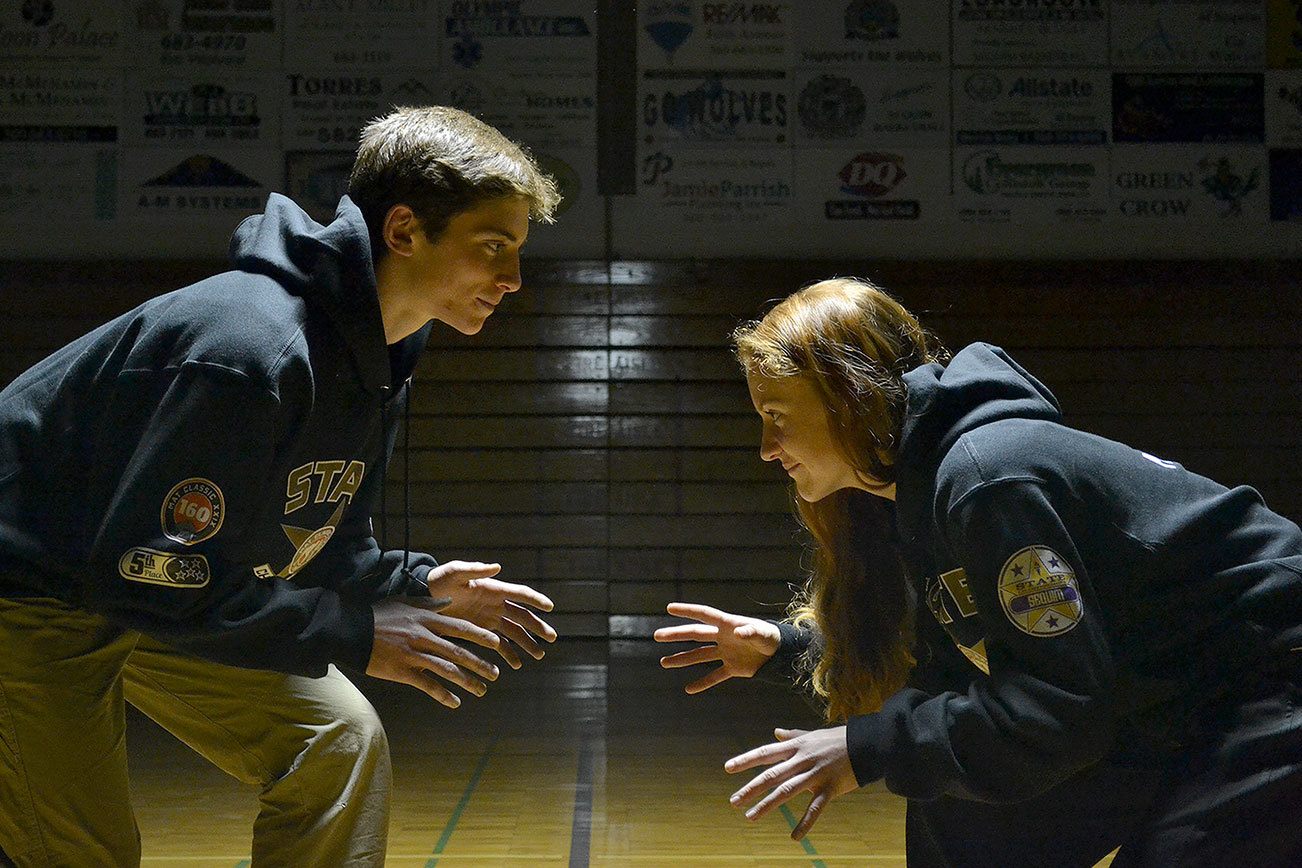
797	434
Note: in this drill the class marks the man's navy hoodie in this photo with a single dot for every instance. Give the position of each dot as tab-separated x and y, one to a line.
204	467
1100	595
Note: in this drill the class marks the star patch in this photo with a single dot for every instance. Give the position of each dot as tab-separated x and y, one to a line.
1038	592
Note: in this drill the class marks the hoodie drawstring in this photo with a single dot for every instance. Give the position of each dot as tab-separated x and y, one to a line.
406	481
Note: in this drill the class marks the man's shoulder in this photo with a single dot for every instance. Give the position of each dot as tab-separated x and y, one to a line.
245	322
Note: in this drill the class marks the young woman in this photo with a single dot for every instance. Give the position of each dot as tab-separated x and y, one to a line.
1052	644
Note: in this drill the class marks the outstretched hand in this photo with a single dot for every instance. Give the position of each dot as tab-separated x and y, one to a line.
504	608
741	645
409	647
814	761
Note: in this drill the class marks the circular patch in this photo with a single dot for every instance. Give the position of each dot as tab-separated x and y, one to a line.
193	511
310	548
1038	592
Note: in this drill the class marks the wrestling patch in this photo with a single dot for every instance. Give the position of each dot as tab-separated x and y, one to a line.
193	511
1038	592
164	568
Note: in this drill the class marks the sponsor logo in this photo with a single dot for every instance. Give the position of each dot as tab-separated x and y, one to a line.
1031	10
164	568
505	20
986	172
714	111
42	28
1031	87
201	105
669	24
831	106
315	85
1155	180
743	13
983	86
1039	593
1224	184
202	170
872	20
1155	207
193	511
872	174
228	16
1169	465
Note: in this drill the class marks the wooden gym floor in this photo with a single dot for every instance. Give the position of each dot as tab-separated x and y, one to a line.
594	756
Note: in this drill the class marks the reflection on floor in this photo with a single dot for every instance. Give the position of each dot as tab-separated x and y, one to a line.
594	756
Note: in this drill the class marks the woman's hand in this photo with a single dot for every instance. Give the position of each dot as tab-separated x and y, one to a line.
495	605
814	761
742	645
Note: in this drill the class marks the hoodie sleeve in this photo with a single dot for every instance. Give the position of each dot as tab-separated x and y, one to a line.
171	556
1045	711
783	667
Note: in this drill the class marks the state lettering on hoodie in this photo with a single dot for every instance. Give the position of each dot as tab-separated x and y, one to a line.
951	602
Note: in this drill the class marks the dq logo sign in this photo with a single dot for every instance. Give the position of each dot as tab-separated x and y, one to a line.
872	174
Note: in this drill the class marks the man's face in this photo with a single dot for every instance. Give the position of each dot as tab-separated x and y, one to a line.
463	275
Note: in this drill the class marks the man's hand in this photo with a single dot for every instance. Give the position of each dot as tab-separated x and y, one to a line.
814	761
742	645
499	606
409	648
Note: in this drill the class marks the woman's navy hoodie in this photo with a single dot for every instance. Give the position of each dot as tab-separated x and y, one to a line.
1100	595
204	467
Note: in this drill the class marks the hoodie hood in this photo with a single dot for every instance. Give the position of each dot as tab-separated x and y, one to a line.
329	265
980	385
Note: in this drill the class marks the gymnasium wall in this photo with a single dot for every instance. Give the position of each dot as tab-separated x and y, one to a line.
596	437
938	129
1112	189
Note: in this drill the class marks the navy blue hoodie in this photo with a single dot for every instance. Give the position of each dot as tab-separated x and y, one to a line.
1099	594
204	467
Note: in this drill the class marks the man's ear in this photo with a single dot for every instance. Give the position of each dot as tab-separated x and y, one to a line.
400	227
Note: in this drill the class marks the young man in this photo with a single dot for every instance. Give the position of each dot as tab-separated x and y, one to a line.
185	513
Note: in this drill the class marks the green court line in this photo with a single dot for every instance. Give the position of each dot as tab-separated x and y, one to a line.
786	812
461	805
804	842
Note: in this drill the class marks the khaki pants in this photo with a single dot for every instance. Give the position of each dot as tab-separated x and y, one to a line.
313	747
